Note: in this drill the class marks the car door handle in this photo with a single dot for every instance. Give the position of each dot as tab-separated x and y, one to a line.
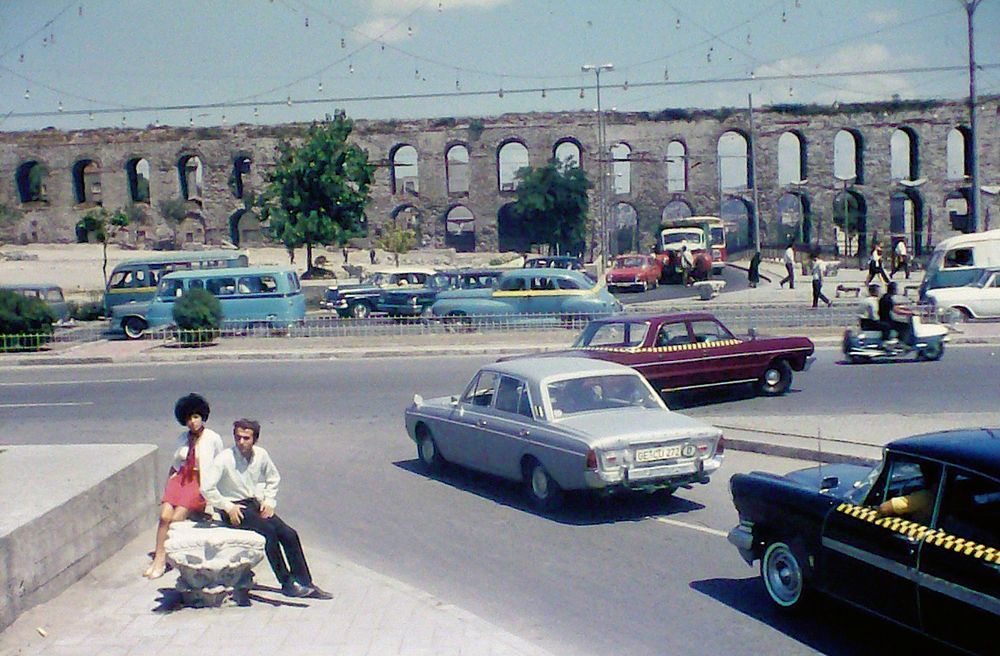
481	422
524	432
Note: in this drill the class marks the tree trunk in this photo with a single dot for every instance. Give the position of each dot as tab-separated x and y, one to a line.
104	266
309	258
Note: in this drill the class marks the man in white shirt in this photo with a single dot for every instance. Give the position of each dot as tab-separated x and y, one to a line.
789	266
901	259
868	309
243	483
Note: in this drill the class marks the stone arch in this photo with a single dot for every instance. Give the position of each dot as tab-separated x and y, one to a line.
794	219
568	151
906	219
621	168
791	158
410	216
30	179
404	163
191	174
137	172
190	230
677	166
958	204
456	169
460	229
87	181
904	151
959	153
735	169
850	215
512	155
849	156
737	213
242	163
245	229
678	208
624	237
512	233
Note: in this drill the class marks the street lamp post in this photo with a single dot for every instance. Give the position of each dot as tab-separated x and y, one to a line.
975	198
597	69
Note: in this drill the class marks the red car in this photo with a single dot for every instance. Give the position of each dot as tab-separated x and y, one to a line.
639	272
694	350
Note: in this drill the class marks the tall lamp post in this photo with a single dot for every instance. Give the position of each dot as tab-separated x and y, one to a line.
970	9
597	69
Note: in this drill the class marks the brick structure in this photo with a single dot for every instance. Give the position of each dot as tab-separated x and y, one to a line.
203	170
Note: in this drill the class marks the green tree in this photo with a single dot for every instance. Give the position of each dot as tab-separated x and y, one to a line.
552	204
103	225
317	192
198	315
25	323
397	240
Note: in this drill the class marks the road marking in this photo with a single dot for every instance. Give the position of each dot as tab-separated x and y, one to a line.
80	382
695	527
43	405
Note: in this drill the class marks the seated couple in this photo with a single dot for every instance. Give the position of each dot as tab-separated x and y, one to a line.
241	483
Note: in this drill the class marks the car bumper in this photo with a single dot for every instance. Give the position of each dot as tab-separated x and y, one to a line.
741	537
808	362
669	475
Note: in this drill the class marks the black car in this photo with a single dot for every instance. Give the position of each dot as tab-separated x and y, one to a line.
414	301
359	301
916	540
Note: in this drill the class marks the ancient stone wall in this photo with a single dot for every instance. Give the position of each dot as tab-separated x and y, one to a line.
216	213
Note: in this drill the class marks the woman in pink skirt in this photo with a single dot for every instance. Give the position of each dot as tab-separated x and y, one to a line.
197	447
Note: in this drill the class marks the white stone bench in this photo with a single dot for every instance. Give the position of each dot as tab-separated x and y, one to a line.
709	289
830	269
215	562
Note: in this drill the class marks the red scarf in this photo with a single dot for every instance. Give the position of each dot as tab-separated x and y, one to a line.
191	461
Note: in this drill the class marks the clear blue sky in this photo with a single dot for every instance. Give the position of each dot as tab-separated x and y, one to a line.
114	55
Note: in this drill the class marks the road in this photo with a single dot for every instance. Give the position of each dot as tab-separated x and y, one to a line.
736	280
633	576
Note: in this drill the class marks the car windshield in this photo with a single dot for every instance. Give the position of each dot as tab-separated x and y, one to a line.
613	333
440	282
602	392
629	262
859	492
678	237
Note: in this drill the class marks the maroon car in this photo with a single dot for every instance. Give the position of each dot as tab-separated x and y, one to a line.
694	350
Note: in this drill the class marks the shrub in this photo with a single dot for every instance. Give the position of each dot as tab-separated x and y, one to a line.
198	315
25	323
86	311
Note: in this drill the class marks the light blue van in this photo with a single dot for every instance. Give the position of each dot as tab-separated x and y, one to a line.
253	295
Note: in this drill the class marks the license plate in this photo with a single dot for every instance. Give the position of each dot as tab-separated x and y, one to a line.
657	453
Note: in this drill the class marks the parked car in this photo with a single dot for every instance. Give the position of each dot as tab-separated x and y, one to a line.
359	301
50	293
961	260
638	272
693	350
558	262
559	424
414	301
979	300
916	540
524	294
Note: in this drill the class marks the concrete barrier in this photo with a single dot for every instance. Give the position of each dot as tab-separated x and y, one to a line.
67	508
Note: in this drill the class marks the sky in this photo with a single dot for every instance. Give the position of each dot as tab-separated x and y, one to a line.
113	63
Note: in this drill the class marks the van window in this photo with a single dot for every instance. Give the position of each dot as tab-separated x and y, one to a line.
512	285
250	285
221	286
120	280
170	289
53	295
293	283
196	284
959	257
566	283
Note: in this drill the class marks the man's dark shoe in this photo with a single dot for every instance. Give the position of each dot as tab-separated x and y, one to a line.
296	589
319	593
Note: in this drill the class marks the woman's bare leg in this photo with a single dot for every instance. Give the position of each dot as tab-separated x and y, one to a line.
168	515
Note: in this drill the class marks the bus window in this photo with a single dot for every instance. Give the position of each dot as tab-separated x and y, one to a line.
121	280
171	289
221	286
268	284
250	285
196	284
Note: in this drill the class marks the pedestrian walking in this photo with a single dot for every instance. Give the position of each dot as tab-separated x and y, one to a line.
789	260
371	255
345	254
817	282
753	273
901	259
687	264
875	267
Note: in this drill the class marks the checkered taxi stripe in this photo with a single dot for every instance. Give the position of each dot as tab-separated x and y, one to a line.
921	532
661	349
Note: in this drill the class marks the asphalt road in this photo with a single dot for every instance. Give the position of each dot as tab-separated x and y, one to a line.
639	575
736	280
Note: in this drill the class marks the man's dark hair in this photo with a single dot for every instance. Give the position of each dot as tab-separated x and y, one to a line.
192	404
248	423
891	289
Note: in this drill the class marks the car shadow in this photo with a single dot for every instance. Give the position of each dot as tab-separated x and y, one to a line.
578	508
824	624
908	360
708	397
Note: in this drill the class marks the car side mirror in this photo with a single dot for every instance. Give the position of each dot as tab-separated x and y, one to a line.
454	401
752	332
829	482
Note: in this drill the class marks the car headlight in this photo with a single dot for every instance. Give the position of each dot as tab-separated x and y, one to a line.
414	301
716	254
607	278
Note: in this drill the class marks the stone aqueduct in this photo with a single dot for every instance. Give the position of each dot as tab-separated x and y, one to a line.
901	167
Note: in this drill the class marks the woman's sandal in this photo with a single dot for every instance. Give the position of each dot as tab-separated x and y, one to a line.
155	573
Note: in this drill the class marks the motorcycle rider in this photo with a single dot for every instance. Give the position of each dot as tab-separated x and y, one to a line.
893	315
868	309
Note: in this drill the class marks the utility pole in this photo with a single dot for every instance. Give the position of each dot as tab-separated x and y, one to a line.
974	197
602	182
753	176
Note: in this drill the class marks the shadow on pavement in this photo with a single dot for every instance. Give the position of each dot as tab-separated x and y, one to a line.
579	508
823	624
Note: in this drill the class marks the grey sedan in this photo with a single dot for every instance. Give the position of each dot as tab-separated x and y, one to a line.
565	424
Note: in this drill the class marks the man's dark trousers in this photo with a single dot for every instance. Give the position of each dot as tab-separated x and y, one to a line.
790	278
277	535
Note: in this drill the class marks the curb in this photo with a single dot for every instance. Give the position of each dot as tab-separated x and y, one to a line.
795	452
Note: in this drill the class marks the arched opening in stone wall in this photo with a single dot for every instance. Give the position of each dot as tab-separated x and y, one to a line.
137	172
405	170
457	170
791	158
850	216
240	176
30	178
677	166
245	229
512	156
734	160
959	153
904	154
191	230
87	182
737	214
848	156
191	174
460	229
512	233
957	205
568	153
621	168
624	229
676	209
906	220
794	220
409	217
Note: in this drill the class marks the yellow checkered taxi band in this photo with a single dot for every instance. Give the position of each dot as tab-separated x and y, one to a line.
661	349
920	532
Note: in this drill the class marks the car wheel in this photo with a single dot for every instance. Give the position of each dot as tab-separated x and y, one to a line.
931	352
776	380
782	575
645	286
956	315
134	327
543	492
427	450
360	311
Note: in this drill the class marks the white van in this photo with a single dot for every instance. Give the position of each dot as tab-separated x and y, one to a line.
961	260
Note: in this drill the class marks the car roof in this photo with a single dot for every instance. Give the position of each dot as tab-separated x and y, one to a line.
976	449
184	256
227	271
548	272
658	318
539	368
392	270
30	285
